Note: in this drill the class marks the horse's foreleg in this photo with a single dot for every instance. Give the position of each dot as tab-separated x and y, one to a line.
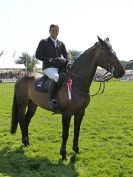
65	132
77	122
29	114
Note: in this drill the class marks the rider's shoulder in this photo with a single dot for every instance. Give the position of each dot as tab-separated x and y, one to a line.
44	40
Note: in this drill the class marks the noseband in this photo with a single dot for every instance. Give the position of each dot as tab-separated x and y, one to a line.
107	76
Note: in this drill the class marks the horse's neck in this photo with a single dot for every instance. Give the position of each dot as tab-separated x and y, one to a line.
85	68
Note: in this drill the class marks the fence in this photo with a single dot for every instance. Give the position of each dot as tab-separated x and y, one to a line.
8	80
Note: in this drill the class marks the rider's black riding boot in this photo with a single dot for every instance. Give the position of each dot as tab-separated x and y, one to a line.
52	102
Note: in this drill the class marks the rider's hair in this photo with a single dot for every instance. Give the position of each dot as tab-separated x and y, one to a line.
53	25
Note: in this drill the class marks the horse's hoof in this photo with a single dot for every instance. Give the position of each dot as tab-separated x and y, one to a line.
25	141
63	154
26	145
76	149
73	158
64	157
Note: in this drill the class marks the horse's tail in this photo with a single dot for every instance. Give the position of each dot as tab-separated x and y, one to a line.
14	118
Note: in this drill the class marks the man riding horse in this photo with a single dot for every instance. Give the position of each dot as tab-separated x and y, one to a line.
26	98
50	51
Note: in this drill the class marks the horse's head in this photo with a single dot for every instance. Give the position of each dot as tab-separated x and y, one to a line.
108	59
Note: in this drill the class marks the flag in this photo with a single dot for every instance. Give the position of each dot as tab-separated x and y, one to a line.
1	53
14	54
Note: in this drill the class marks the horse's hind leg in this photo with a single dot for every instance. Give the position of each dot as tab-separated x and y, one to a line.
77	122
29	114
65	132
21	112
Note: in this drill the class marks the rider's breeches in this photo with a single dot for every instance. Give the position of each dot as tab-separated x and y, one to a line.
52	73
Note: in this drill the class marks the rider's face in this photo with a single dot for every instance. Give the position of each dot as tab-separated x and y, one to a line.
54	32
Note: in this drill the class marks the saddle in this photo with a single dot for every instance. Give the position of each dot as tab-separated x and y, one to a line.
42	83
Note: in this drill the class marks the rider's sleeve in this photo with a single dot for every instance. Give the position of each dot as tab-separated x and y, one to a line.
64	51
39	54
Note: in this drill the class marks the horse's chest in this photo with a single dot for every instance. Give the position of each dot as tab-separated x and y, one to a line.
78	101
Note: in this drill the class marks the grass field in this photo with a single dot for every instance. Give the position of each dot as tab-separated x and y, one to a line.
106	138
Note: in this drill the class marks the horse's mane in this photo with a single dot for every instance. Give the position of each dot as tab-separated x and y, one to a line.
107	42
84	53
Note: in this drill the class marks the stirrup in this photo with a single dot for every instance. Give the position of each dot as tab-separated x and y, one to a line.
53	104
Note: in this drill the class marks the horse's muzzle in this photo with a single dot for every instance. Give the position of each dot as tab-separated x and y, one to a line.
118	74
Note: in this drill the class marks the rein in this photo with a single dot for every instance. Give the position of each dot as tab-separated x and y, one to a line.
73	74
105	78
100	87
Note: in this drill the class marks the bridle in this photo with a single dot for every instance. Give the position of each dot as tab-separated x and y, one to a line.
105	78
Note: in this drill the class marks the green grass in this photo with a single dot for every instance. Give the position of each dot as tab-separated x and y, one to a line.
106	138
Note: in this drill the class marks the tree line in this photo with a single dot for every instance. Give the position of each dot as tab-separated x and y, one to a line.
128	64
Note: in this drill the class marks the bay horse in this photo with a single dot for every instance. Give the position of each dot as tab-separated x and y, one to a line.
27	99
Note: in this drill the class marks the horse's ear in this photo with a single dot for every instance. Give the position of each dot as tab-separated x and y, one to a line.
101	41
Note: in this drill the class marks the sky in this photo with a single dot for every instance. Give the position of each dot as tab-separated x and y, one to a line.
25	22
